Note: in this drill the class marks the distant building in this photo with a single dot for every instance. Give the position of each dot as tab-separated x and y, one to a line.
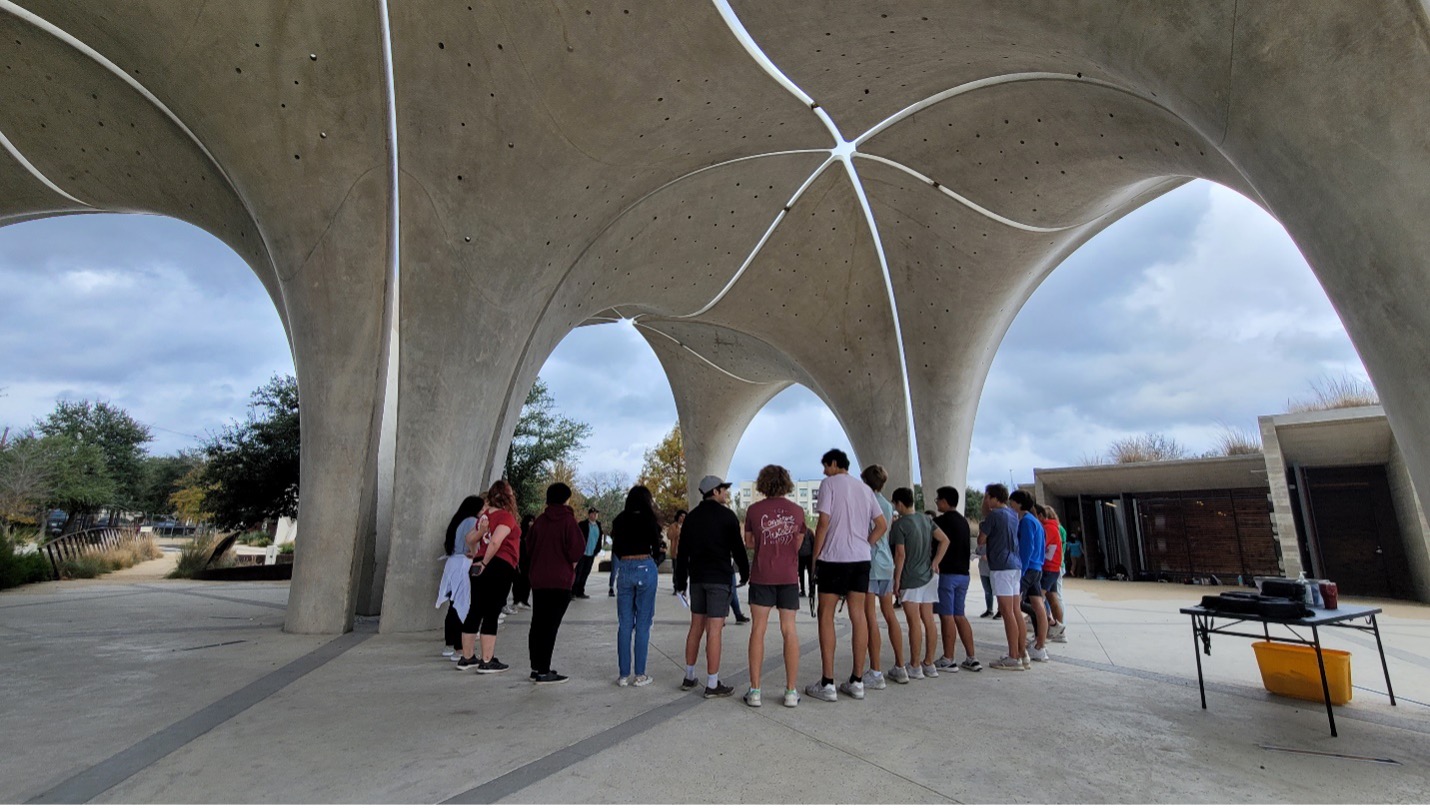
806	494
1329	494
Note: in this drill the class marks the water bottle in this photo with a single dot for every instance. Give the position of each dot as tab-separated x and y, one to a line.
1306	597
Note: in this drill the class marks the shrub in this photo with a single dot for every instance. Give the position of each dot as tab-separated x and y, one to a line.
255	539
1336	392
1235	441
286	547
194	555
1149	447
129	553
19	566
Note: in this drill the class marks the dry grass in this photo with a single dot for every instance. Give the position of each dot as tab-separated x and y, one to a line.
1235	441
1334	393
194	556
129	553
1143	448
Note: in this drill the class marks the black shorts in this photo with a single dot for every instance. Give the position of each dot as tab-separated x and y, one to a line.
783	596
1032	584
842	578
710	600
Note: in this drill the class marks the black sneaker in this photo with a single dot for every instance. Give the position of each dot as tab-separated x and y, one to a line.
531	676
580	595
744	619
493	666
987	614
551	677
687	684
720	690
464	663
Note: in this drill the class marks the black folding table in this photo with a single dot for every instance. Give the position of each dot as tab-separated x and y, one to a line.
1206	622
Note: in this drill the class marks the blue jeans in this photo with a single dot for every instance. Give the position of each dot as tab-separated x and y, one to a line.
636	581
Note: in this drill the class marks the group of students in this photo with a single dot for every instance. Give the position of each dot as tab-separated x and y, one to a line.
870	555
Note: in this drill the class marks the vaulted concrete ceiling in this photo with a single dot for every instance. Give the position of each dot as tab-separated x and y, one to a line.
853	196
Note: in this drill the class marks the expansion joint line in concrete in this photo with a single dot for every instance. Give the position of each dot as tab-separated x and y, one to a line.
512	782
104	776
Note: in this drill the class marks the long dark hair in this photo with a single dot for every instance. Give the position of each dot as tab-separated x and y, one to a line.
640	507
470	507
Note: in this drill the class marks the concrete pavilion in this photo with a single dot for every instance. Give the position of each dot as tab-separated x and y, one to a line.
853	196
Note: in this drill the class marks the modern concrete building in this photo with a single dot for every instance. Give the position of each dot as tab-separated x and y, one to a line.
853	196
1329	495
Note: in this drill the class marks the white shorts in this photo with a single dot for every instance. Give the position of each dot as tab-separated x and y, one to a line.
1007	582
928	594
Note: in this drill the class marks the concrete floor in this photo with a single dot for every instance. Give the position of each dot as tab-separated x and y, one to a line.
134	690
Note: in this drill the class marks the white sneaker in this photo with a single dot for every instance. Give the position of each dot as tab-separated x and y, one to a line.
450	653
1060	635
791	698
822	692
1027	661
944	664
899	674
930	671
752	698
622	682
1040	655
916	672
509	610
875	680
642	680
1008	664
855	689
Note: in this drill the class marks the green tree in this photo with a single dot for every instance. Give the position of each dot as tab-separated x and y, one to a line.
26	479
119	438
162	476
664	472
251	470
543	437
79	479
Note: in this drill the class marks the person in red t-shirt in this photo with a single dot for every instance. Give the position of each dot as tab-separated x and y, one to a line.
1052	571
495	556
775	528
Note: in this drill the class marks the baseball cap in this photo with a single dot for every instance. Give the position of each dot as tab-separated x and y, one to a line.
710	483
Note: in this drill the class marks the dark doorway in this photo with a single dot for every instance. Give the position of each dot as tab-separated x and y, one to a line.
1353	532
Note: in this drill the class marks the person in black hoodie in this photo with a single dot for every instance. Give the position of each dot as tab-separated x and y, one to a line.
709	540
555	548
591	531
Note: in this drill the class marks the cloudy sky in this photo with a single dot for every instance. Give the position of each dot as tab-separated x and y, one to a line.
1192	312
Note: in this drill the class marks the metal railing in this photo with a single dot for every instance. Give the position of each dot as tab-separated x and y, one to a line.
80	543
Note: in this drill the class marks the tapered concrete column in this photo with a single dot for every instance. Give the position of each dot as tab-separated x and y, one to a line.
714	405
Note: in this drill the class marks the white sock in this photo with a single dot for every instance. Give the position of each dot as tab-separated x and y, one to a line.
713	680
690	672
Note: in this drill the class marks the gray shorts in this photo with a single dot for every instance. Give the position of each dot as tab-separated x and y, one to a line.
881	587
710	600
783	596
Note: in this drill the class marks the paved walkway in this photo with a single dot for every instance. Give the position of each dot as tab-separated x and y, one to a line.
181	691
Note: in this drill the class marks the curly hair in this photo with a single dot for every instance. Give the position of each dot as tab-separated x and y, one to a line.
773	481
501	496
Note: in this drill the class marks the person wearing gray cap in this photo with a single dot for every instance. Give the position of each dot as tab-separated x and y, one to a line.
709	541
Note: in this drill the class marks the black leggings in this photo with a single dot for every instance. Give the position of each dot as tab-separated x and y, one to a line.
805	565
452	630
489	592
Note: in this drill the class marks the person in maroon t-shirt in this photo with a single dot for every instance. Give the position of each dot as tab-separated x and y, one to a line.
494	560
775	528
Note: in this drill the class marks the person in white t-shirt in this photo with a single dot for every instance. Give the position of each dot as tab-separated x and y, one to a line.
850	522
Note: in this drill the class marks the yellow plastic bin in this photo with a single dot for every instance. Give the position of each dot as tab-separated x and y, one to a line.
1290	670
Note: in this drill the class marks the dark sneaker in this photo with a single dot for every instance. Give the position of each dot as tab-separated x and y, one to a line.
531	676
580	595
493	666
464	663
987	614
742	620
551	677
687	684
720	690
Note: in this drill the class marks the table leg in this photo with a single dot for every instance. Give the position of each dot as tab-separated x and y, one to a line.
1266	631
1383	667
1325	686
1197	653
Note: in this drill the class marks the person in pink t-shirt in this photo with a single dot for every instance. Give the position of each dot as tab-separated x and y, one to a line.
774	527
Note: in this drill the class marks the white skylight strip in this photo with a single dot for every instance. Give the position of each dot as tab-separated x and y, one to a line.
893	302
698	355
990	81
750	259
1012	223
37	174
